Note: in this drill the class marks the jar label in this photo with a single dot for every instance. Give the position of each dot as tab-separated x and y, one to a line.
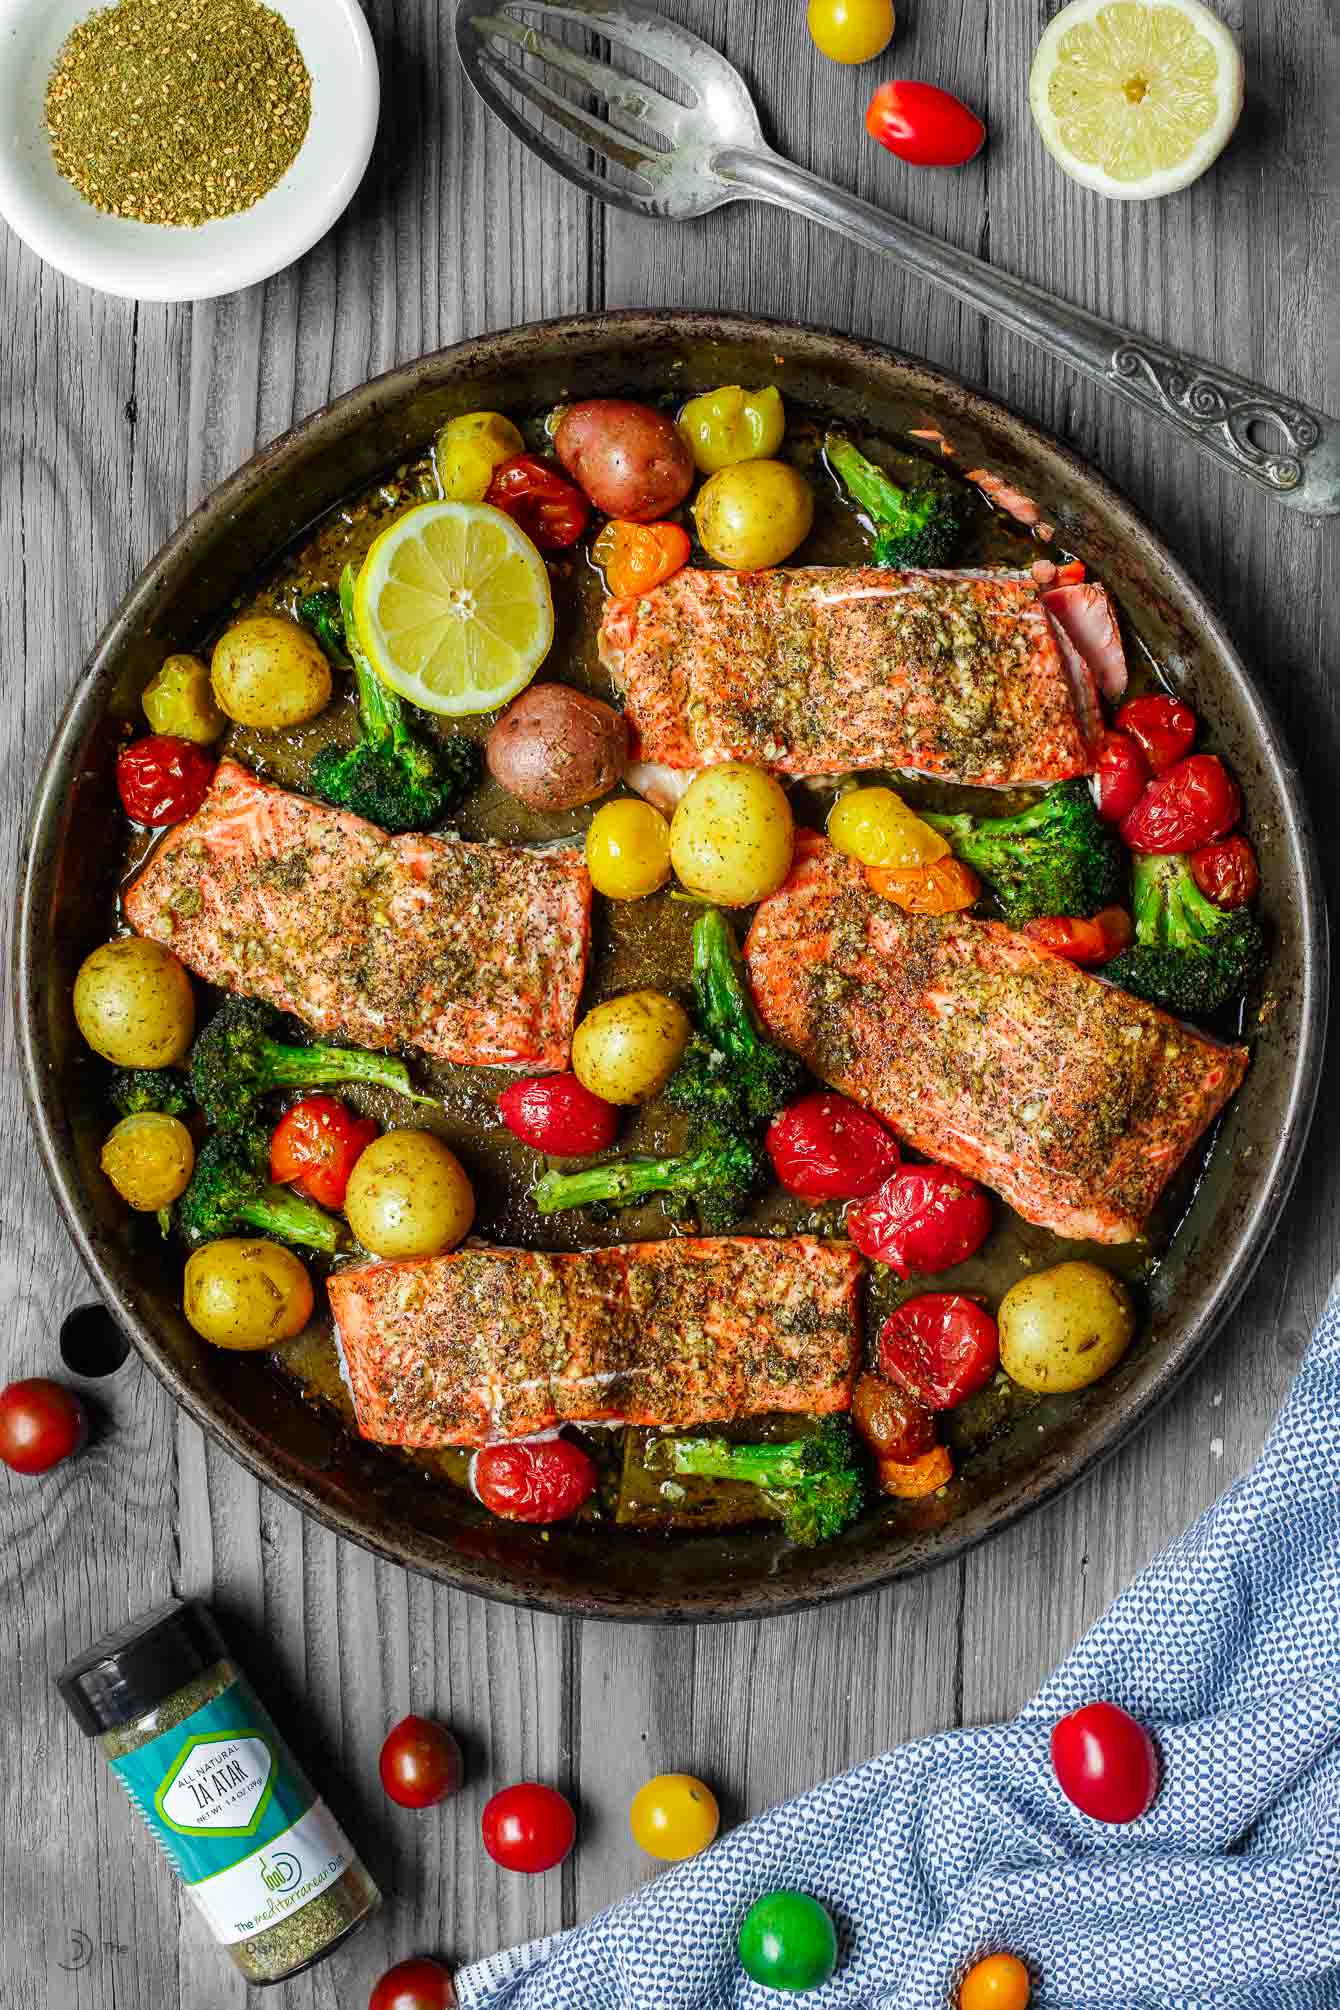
235	1814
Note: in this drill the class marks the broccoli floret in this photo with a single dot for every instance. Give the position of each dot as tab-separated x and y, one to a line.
135	1091
815	1481
236	1060
396	778
720	1178
320	611
731	1075
1189	955
230	1191
1055	857
914	528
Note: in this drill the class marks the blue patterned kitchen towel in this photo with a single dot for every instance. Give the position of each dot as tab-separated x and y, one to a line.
1226	1896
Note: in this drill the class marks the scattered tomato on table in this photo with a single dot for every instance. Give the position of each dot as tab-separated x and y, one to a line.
923	125
528	1827
942	1347
1226	871
419	1984
635	557
163	779
544	1481
1106	1763
923	1218
850	31
674	1816
1121	776
316	1145
420	1763
551	510
556	1114
1000	1982
1184	807
788	1942
1091	942
1162	727
41	1424
825	1147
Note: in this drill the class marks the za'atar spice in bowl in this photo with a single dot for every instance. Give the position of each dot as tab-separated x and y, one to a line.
177	149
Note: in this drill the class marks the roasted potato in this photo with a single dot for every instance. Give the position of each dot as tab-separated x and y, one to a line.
555	749
409	1195
149	1159
242	1292
732	835
627	1049
1064	1328
754	514
266	671
134	1004
629	459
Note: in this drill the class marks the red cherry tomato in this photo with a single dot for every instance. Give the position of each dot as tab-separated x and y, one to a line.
941	1347
41	1423
924	125
420	1984
1226	872
1121	776
551	510
528	1828
924	1218
826	1147
1164	728
316	1146
543	1481
1105	1762
1184	807
891	1420
163	779
556	1113
420	1763
1089	943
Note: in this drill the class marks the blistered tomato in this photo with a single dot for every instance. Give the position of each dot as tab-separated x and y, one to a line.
826	1147
556	1114
316	1145
940	1347
1090	943
528	1827
729	425
162	779
876	826
1105	1762
674	1816
551	510
420	1763
634	557
924	1218
1184	807
41	1423
1164	728
913	1479
946	886
923	125
1226	872
469	448
998	1983
1121	776
546	1480
890	1420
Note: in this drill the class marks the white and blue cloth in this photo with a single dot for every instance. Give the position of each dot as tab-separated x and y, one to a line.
1225	1896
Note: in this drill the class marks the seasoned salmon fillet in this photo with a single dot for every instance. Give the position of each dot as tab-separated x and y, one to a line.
819	669
502	1343
469	952
1075	1101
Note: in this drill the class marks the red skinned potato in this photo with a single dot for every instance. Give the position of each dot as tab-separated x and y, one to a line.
555	749
629	459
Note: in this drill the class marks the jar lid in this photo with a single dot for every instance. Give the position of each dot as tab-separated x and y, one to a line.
132	1671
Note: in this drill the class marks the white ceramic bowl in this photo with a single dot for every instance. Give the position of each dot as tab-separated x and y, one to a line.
146	261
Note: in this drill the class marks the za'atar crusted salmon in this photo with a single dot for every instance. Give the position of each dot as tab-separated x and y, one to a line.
820	669
470	952
1074	1100
486	1344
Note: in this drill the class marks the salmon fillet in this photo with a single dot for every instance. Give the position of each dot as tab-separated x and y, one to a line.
820	669
1075	1101
471	953
487	1344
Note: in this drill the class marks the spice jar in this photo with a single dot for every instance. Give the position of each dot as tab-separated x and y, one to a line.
214	1782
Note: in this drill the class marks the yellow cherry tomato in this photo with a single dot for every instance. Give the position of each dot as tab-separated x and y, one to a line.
875	826
733	834
850	31
469	449
674	1816
730	424
627	1049
998	1983
180	700
149	1159
628	849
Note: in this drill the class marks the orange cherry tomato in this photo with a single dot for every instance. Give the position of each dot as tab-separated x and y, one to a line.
634	557
1088	943
909	1479
998	1983
944	887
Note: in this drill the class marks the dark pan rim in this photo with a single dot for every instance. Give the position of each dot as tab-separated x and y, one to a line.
1249	1234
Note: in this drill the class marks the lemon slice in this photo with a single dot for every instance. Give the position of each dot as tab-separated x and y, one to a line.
1136	97
454	609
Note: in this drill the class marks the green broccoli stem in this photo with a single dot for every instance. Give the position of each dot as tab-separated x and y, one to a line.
766	1466
380	711
621	1181
287	1216
289	1067
721	987
880	497
320	612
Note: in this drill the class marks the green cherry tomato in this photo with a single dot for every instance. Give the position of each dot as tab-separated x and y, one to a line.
788	1942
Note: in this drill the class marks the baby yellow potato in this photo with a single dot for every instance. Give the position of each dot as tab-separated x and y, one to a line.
732	835
1064	1328
628	849
627	1049
180	700
409	1195
266	671
149	1159
469	449
754	514
134	1004
875	826
243	1293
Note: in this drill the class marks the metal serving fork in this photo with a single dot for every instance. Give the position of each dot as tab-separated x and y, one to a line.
666	159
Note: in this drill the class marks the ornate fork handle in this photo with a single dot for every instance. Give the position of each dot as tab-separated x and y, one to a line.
1297	457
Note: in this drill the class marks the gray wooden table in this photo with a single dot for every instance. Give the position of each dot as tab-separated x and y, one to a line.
115	420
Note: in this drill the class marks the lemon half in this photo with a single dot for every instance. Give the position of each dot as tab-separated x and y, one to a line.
1136	97
454	608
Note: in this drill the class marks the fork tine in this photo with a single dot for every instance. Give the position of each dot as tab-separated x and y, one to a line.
483	75
626	94
676	49
603	139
